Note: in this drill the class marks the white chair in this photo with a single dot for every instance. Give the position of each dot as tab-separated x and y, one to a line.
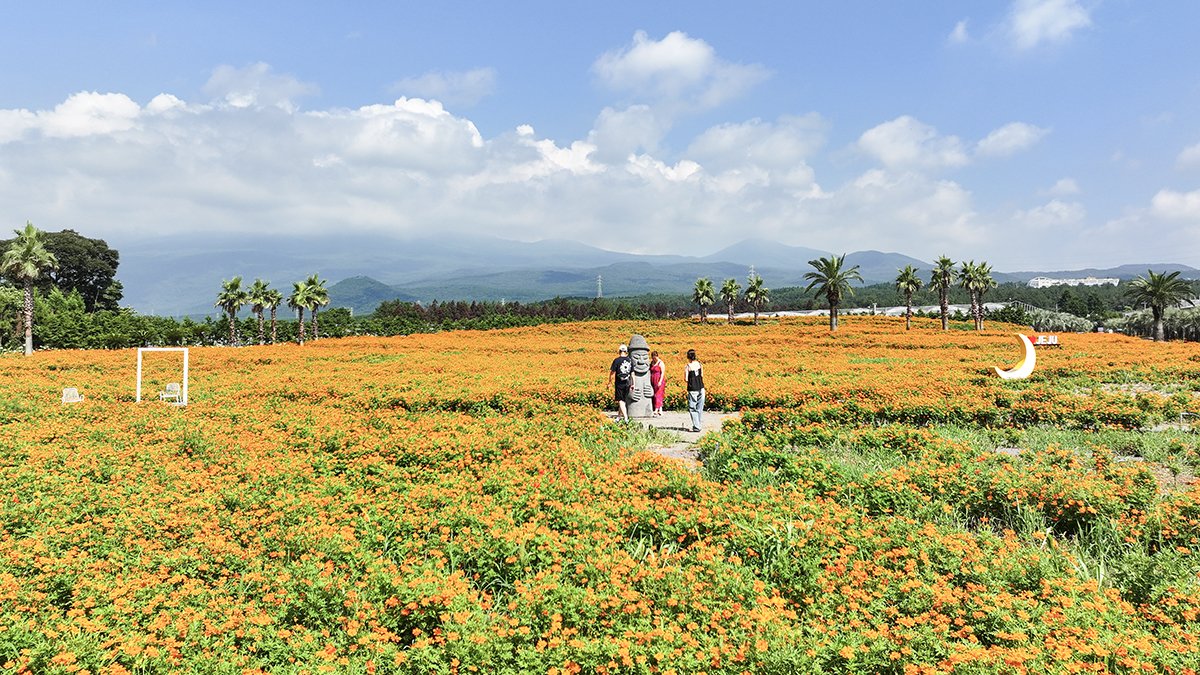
173	392
71	395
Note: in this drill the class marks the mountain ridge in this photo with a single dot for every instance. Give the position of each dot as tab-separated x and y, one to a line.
177	276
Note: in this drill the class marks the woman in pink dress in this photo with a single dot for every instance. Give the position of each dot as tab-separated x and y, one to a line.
658	380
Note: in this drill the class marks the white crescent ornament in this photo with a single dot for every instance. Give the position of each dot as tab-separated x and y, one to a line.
1023	369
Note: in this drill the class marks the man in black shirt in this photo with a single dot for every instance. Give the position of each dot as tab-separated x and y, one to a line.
620	373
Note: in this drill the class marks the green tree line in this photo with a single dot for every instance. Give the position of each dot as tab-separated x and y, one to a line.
60	291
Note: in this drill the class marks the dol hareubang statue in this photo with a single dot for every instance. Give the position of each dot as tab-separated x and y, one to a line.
640	400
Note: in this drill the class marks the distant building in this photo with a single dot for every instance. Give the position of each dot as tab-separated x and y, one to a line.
1046	282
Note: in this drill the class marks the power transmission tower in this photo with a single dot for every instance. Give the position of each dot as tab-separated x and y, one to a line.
599	286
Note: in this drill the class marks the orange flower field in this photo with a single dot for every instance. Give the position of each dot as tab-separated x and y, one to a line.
460	503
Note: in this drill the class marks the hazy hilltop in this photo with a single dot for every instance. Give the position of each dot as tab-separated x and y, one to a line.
181	275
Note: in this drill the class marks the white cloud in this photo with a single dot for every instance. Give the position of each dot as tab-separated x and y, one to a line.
411	166
1064	187
959	35
1010	139
677	69
1189	157
14	124
256	86
1055	213
785	143
907	142
1173	205
618	134
1035	22
456	88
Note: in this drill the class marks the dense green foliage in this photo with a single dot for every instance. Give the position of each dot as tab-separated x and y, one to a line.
84	264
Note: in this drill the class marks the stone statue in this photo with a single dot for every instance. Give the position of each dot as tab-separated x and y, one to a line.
640	401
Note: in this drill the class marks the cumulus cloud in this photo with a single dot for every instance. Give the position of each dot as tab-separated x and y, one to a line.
784	143
411	166
256	86
1055	213
1189	157
456	88
1035	22
82	114
1010	139
619	134
909	143
677	68
1173	205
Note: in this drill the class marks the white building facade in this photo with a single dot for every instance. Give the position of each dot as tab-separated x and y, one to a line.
1046	282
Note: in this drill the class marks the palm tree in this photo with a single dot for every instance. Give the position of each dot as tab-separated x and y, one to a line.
965	275
258	296
25	260
299	300
908	282
1159	291
757	294
231	298
729	293
318	297
941	279
833	282
272	300
977	280
702	295
982	283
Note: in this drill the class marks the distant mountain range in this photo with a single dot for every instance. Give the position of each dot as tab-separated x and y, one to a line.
173	276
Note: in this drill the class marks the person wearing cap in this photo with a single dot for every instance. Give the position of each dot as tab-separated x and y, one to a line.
619	375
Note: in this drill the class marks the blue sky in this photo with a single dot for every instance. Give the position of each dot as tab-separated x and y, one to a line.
1034	134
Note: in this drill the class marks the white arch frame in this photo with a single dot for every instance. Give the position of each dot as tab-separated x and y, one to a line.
184	394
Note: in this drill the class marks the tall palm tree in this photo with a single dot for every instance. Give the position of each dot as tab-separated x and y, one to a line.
757	294
908	282
977	280
25	260
833	282
258	295
231	298
729	294
982	283
941	279
965	277
702	295
318	297
299	300
1159	291
273	299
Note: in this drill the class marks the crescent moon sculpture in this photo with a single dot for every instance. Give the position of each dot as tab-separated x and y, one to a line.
1023	369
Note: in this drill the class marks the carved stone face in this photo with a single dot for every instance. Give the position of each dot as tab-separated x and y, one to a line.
639	353
641	361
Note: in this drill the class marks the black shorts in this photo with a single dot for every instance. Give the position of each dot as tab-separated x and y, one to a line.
621	392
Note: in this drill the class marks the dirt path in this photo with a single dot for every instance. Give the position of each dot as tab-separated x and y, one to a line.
679	424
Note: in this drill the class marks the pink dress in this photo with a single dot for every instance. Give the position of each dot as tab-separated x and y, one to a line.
659	381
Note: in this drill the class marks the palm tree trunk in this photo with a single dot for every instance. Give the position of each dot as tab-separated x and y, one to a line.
1160	334
300	314
832	318
273	325
315	310
28	317
945	303
261	339
232	330
756	314
729	316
